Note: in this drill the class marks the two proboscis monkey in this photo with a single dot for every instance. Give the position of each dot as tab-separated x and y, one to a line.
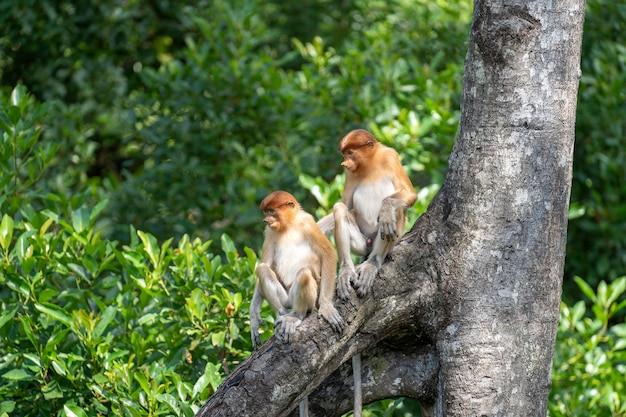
298	265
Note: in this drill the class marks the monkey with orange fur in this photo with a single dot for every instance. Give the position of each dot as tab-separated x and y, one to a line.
297	271
371	216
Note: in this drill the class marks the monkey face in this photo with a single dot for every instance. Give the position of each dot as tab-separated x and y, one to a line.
271	219
350	160
278	210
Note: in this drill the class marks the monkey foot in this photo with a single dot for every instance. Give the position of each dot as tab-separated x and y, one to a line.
285	328
366	272
332	316
347	274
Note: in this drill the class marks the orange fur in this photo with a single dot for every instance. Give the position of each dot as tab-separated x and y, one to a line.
297	271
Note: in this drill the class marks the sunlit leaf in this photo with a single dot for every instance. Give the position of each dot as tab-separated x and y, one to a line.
56	313
6	231
74	411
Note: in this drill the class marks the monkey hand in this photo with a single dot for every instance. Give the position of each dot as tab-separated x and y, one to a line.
332	316
366	273
255	322
388	222
347	274
285	327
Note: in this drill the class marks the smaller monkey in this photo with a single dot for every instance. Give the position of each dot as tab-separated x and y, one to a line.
297	269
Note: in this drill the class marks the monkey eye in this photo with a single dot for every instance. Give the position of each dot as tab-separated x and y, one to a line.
269	212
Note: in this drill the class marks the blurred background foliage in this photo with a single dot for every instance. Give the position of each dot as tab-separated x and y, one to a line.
138	139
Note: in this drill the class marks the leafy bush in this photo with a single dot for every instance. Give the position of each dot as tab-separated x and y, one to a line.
91	327
597	239
589	376
212	153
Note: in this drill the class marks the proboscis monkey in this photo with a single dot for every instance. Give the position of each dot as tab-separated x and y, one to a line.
297	269
370	218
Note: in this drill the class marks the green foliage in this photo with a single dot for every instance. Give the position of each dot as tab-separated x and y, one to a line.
91	327
23	157
589	376
209	154
597	240
183	115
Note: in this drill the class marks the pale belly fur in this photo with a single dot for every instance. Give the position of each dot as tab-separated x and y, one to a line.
367	200
291	258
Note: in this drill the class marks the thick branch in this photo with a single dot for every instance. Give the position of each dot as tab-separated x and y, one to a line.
278	376
409	372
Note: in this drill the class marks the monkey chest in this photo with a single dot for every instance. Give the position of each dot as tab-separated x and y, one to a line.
291	258
367	200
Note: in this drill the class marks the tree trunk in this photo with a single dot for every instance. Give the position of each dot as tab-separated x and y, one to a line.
463	314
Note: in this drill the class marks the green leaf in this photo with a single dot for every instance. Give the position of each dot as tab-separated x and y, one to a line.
171	401
619	329
616	289
150	245
18	94
585	288
578	311
80	219
97	210
52	390
104	321
7	406
201	385
7	316
143	382
74	411
217	338
17	375
27	326
4	126
15	114
22	245
6	232
56	313
227	244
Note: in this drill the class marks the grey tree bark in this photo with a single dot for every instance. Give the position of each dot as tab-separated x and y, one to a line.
463	314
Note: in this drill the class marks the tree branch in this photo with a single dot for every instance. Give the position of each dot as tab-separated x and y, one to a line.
278	376
409	371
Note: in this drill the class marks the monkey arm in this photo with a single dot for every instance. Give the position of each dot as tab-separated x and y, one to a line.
328	257
392	215
255	317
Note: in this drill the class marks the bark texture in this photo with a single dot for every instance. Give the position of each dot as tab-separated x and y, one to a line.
463	314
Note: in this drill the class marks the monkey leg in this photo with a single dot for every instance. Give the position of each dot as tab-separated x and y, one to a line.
272	289
303	293
391	224
366	271
302	296
348	238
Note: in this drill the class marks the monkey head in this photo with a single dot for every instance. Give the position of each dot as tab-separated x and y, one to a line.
356	148
279	209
